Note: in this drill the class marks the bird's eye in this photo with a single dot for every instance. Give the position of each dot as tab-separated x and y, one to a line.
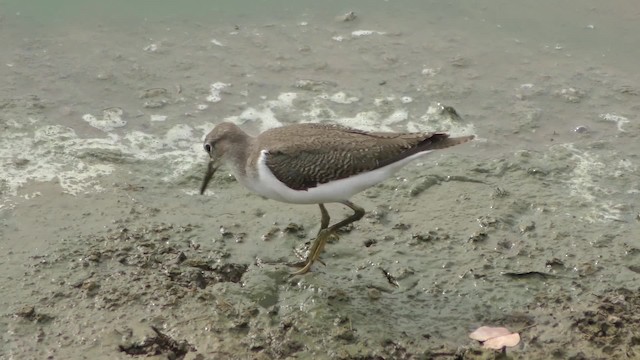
208	147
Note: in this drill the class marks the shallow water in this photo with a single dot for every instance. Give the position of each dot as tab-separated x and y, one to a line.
533	225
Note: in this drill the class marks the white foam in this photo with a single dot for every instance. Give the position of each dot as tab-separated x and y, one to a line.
158	117
214	91
342	98
56	153
180	136
204	129
111	119
586	181
141	145
46	154
625	166
151	48
587	166
17	125
360	33
619	120
430	71
264	115
265	118
366	120
435	119
397	116
285	99
318	109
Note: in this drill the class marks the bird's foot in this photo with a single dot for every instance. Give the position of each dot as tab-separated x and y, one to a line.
314	253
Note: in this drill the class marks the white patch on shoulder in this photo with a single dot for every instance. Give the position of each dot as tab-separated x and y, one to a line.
335	191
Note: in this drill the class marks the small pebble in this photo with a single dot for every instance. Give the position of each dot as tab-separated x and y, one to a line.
350	16
581	129
90	285
374	294
26	311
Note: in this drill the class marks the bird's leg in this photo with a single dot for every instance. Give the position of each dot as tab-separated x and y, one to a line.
326	232
324	223
358	213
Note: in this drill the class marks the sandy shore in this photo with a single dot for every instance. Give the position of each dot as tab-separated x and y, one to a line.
108	252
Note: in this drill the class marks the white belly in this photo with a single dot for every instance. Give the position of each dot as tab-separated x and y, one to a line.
335	191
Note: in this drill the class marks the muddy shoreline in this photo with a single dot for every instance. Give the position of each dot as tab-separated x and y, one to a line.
109	251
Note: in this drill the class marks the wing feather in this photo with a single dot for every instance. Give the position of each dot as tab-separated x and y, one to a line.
306	155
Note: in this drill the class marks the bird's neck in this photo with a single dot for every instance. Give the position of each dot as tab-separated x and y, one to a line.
238	155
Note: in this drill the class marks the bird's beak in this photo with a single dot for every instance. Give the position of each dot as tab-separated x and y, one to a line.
211	169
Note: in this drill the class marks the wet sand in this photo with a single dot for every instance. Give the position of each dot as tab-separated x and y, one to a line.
533	226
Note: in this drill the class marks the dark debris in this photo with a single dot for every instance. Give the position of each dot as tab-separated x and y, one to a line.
160	344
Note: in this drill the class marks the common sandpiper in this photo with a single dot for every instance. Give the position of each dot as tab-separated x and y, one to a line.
317	164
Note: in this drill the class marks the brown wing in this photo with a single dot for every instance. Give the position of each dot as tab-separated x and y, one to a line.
307	155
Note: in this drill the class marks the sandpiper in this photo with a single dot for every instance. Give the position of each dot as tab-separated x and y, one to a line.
316	164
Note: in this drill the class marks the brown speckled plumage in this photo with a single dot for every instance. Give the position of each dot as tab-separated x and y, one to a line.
299	156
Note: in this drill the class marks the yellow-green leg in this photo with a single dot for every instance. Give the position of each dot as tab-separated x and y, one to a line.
325	233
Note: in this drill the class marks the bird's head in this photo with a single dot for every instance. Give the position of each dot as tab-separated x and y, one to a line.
219	144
